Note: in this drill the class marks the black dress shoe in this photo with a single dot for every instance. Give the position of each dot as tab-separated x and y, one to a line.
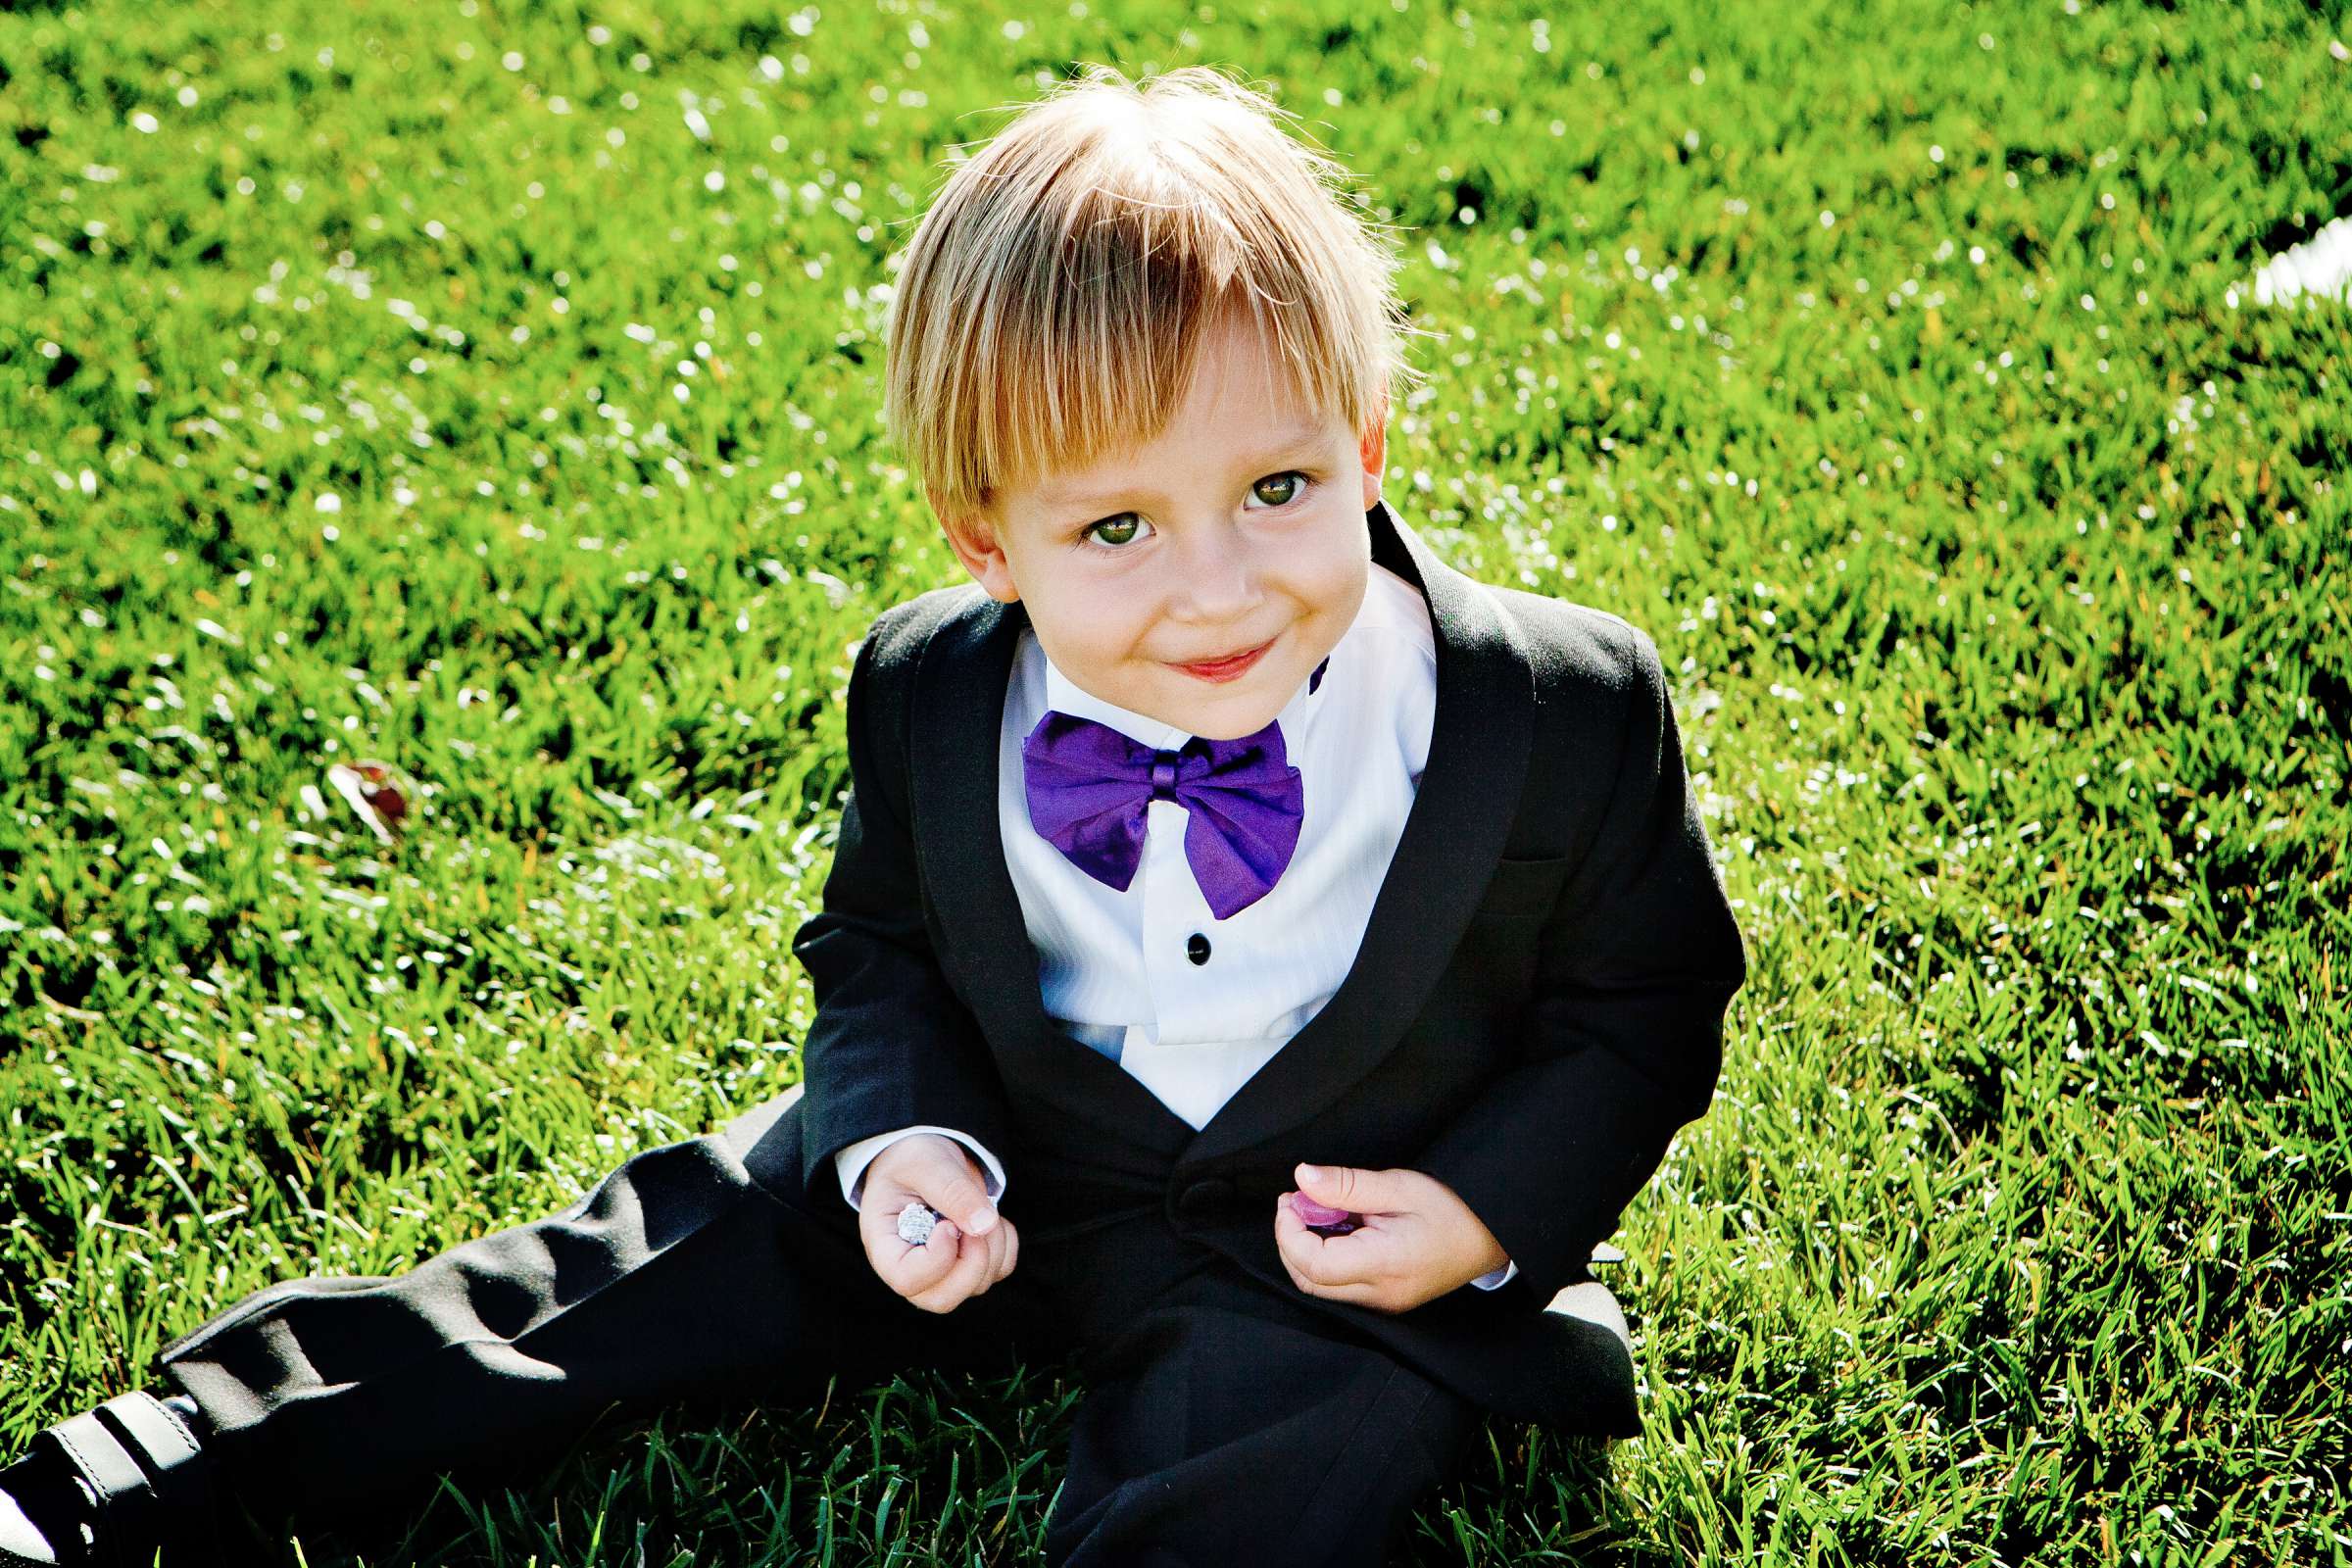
110	1486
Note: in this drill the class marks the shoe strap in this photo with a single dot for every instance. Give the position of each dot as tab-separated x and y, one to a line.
156	1436
143	1466
125	1502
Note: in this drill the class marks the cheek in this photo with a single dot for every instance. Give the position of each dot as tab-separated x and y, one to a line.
1334	578
1097	627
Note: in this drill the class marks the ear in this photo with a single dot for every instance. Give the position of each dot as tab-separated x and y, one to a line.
1373	450
974	540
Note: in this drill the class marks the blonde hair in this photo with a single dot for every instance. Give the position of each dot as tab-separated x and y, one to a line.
1056	295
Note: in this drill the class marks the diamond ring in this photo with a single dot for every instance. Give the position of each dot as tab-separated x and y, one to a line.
916	1223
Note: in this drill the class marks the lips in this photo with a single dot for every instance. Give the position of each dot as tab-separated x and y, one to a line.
1230	666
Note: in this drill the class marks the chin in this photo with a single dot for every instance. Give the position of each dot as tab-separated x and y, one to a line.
1226	732
1219	722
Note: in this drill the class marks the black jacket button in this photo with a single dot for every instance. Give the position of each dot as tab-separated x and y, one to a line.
1196	948
1205	1198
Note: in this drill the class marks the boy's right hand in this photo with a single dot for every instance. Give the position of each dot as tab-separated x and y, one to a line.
971	1248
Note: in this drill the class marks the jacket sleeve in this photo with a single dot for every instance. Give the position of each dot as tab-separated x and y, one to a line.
1634	967
891	1045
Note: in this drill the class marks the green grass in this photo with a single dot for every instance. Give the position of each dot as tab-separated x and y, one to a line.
1878	360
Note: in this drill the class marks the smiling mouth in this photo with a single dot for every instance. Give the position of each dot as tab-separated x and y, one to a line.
1229	666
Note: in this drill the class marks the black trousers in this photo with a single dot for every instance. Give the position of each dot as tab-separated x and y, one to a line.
1225	1426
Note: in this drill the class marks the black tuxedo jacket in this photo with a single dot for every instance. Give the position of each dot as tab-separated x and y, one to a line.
1536	1007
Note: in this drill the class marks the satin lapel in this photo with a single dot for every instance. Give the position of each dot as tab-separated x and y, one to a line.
1461	814
958	713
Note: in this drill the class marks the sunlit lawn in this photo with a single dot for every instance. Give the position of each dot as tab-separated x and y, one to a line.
494	393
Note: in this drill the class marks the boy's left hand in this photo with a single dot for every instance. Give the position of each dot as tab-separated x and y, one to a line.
1417	1239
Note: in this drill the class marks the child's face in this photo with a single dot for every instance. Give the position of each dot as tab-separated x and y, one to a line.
1241	528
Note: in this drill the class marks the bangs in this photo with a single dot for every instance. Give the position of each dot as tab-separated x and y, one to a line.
1057	295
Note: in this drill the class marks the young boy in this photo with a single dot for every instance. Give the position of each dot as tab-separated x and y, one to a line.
1221	829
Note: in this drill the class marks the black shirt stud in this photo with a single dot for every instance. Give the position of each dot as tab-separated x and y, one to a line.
1196	948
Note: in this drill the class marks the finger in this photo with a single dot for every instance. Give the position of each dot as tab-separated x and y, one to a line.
994	1269
878	1229
1317	1267
984	1264
1004	1243
923	1265
1364	1253
1357	1294
1013	1247
906	1270
879	1206
947	1184
1365	1256
940	1256
1289	1228
1282	1251
956	1285
1301	1249
1359	1192
1309	1275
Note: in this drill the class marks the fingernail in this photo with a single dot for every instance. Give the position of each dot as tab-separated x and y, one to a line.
1310	1173
983	1222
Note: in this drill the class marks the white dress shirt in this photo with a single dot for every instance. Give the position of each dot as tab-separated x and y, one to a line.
1115	968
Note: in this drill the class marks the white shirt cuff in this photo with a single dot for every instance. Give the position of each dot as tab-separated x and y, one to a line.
851	1162
1498	1279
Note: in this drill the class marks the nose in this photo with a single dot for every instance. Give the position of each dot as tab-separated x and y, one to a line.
1220	579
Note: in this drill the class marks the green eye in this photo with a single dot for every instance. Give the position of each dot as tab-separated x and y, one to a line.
1116	531
1292	482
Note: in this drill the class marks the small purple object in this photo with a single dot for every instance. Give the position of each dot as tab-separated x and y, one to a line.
1322	1220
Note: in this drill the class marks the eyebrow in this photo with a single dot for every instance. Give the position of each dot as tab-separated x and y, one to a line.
1290	442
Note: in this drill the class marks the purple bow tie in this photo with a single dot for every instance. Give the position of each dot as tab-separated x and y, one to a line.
1091	787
